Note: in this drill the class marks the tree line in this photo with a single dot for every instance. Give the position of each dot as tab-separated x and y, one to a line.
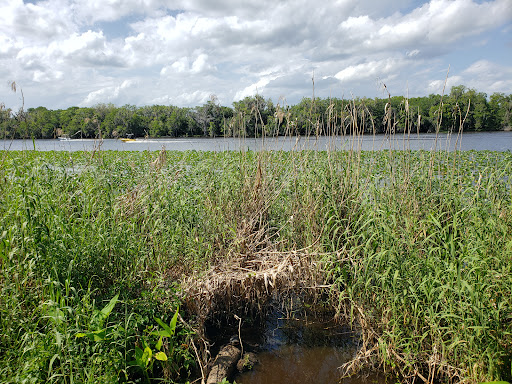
255	116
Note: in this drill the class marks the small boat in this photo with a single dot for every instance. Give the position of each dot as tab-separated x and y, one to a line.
64	138
129	137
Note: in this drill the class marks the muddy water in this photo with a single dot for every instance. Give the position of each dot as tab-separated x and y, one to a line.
293	364
294	349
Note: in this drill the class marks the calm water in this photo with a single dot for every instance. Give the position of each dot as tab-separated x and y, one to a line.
493	141
294	350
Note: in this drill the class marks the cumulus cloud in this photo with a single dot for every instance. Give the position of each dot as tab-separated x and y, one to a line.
370	69
184	50
89	49
439	85
438	22
108	94
193	98
199	65
39	22
486	75
482	75
253	89
7	48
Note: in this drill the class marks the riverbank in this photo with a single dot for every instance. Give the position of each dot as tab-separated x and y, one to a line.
100	248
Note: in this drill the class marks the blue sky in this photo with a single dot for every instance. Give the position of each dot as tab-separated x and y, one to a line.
64	53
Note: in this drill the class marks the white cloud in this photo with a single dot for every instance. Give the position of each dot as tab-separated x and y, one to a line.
439	22
253	89
7	47
90	11
437	86
89	49
482	67
369	70
201	64
108	94
194	98
179	66
488	76
30	23
482	75
47	76
183	50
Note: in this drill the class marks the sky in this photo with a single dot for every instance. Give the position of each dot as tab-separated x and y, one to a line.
64	53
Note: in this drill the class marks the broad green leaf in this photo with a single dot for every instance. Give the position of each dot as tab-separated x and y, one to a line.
138	354
169	330
174	320
110	306
158	345
99	335
161	333
146	356
161	356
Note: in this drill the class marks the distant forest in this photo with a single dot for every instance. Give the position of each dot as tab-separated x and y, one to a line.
255	116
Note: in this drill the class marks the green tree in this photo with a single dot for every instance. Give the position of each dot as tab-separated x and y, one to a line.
500	106
66	118
251	115
42	123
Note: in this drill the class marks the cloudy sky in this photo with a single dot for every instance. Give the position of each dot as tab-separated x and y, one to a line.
84	52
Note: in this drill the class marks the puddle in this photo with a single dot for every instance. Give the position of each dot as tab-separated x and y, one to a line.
297	350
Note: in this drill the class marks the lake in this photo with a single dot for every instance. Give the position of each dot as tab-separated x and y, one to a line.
492	141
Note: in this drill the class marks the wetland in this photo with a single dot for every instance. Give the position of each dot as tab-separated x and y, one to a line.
114	262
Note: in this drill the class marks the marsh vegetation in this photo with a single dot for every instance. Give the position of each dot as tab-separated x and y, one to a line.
100	249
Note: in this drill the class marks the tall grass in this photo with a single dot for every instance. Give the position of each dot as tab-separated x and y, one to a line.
415	245
76	232
427	266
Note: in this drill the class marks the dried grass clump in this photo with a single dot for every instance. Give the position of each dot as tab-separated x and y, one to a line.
252	268
248	285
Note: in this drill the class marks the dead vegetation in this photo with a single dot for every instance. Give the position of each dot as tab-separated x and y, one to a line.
247	285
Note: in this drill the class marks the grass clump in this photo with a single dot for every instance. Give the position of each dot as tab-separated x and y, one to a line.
79	294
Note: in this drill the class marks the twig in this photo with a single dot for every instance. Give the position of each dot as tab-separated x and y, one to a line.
239	334
203	376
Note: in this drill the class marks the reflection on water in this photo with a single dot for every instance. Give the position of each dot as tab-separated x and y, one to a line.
493	141
297	351
294	364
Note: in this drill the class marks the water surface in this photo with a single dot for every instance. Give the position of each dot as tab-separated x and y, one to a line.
493	141
298	350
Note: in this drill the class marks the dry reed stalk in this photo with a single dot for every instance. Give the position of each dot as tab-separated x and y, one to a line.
249	284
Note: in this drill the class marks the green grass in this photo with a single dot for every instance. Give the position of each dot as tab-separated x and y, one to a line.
417	247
